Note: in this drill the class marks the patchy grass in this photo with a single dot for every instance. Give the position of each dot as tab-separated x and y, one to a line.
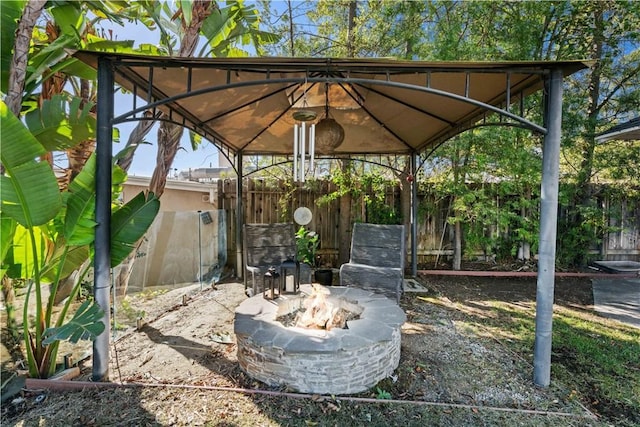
601	359
596	359
465	361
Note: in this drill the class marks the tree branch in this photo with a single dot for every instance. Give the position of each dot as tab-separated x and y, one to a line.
617	87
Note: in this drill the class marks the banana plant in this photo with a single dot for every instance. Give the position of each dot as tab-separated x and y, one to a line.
30	199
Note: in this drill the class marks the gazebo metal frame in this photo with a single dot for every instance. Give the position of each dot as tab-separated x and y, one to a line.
244	106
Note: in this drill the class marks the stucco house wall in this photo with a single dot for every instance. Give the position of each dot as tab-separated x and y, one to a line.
178	196
184	240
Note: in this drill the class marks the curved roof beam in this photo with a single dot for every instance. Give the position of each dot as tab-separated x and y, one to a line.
172	100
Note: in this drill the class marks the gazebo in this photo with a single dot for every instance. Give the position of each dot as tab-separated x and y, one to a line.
250	106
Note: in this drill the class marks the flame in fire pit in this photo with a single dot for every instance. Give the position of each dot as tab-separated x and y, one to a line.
320	311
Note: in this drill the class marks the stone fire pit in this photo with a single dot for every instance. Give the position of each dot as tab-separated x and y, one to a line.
336	361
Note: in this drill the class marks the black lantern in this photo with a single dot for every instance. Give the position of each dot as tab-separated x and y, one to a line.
270	283
290	276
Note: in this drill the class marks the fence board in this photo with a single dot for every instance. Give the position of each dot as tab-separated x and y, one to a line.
263	204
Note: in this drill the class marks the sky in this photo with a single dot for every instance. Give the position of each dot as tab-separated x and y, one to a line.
145	158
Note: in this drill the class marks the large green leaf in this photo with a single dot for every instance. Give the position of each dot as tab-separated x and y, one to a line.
11	12
217	26
59	124
79	223
74	67
185	6
68	17
118	179
73	258
53	57
231	26
86	324
30	192
100	44
114	11
20	259
41	61
130	223
7	231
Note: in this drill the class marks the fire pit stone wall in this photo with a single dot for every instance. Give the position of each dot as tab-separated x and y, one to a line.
338	361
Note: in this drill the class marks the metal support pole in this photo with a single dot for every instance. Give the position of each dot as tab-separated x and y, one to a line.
548	230
102	259
239	221
200	248
414	216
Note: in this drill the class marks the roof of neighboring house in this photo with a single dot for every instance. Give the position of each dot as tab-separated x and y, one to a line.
627	131
172	184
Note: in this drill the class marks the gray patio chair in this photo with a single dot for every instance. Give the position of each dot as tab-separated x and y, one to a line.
377	259
267	245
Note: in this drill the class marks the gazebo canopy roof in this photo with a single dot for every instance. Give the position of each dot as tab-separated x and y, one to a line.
385	106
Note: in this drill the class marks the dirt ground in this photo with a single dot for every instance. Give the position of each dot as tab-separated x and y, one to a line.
185	354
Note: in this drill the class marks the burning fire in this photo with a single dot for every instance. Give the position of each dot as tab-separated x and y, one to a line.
320	313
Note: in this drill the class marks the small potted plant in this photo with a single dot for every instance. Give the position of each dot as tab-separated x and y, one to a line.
308	242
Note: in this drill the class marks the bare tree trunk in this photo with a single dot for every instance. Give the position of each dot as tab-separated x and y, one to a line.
345	230
405	182
457	246
10	309
18	67
457	228
124	271
135	139
353	8
405	203
460	164
292	48
584	196
344	224
586	166
169	135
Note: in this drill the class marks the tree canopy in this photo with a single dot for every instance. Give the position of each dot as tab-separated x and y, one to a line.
604	32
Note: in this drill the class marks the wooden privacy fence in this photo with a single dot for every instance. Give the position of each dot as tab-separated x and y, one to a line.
269	201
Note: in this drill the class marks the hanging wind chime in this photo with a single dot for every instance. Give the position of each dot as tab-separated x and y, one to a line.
304	140
328	134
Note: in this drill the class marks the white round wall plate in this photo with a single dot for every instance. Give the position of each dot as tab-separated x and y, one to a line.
302	216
